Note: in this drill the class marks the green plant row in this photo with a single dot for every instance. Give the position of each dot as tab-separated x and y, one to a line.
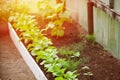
41	46
55	14
7	7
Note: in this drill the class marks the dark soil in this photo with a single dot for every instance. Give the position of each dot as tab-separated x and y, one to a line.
102	64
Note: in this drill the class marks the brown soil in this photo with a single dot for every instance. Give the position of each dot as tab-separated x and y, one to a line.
12	66
102	64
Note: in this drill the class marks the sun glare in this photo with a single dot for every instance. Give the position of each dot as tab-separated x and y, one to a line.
31	4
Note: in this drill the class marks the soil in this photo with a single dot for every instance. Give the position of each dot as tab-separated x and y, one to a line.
12	65
102	64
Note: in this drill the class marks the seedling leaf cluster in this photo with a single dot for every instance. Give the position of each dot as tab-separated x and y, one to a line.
40	46
55	15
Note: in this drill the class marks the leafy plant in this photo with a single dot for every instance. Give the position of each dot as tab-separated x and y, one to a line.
7	8
55	14
18	6
68	53
90	38
86	71
40	46
70	65
72	51
88	74
70	75
72	56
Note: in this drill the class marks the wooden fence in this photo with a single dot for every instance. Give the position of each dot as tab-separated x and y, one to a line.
106	22
78	9
107	31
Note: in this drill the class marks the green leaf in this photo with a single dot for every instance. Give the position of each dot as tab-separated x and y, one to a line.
38	58
71	75
43	62
57	32
53	16
76	54
85	68
60	33
51	25
59	78
59	7
49	67
30	46
34	52
88	74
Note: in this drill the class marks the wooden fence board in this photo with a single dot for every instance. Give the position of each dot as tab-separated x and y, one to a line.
106	25
107	31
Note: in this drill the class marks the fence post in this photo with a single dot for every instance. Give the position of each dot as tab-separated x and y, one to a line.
111	3
90	17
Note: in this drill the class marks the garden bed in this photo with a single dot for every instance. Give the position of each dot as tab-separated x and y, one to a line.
102	64
26	55
58	45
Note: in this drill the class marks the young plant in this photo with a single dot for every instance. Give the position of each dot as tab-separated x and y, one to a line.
68	53
55	15
41	46
90	38
86	71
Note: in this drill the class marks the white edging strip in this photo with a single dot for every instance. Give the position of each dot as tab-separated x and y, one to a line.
26	55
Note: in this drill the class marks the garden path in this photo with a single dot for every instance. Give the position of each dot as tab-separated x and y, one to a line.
12	65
